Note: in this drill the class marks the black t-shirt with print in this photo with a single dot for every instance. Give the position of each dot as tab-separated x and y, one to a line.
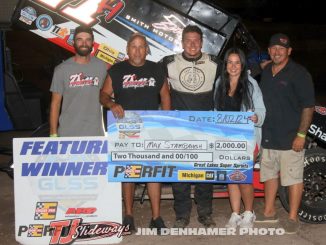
137	88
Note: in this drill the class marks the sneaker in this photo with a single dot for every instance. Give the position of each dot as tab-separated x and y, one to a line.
129	220
261	218
181	223
234	220
248	219
158	224
291	226
207	221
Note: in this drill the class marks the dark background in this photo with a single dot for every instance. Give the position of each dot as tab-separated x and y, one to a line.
34	58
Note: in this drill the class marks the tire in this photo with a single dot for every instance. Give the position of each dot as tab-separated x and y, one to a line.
313	203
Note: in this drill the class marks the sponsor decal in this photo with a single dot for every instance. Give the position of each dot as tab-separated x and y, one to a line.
237	176
210	175
44	22
35	230
60	32
79	231
192	78
109	54
106	58
221	175
133	171
87	211
137	171
27	15
45	210
317	131
321	110
191	175
70	39
167	32
129	126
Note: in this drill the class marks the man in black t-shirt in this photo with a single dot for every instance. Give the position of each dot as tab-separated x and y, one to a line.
137	84
289	99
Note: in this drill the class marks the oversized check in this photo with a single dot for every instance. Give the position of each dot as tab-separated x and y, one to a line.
181	146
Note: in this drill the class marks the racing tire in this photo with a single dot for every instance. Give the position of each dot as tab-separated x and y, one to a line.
313	204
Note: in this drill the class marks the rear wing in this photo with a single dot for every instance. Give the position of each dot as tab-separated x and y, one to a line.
113	21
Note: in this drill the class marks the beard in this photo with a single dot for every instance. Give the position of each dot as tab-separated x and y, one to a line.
83	52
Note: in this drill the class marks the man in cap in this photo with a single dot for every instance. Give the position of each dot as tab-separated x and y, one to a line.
289	99
77	83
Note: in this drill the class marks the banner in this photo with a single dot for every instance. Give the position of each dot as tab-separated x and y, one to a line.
62	195
181	146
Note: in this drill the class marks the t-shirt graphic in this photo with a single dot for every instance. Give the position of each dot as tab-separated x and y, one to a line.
81	80
131	81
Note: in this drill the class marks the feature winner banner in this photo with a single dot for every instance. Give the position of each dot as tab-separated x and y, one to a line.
62	195
181	146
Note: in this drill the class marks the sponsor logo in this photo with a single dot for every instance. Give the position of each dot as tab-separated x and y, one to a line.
221	175
129	126
192	78
45	210
44	22
81	211
60	32
133	171
35	231
105	57
317	131
70	39
209	175
191	175
81	232
137	171
237	176
320	110
27	15
109	54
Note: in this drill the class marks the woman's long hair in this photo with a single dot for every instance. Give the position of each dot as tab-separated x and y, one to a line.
244	90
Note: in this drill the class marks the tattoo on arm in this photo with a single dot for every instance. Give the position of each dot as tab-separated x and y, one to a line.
306	118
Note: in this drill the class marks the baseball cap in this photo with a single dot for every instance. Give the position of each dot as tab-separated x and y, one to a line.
280	39
86	29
